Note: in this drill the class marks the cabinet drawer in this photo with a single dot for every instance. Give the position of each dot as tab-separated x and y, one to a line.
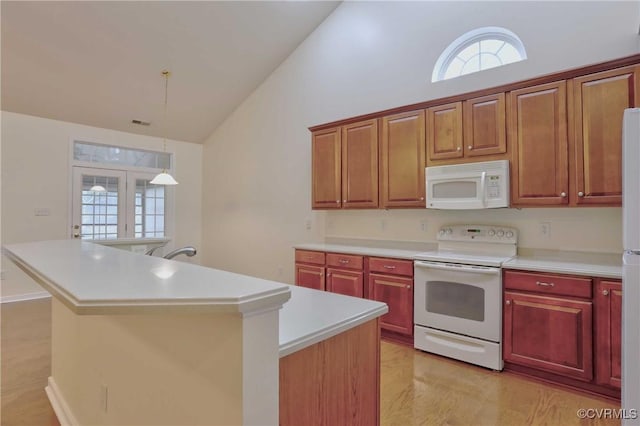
306	256
548	284
349	261
391	266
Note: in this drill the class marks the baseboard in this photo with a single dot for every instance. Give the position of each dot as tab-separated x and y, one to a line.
25	297
60	407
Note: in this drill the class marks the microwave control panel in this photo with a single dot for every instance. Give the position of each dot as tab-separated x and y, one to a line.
493	186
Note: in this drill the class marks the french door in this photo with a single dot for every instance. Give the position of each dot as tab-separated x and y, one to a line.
111	204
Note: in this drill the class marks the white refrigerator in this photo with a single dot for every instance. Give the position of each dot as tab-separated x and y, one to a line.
631	264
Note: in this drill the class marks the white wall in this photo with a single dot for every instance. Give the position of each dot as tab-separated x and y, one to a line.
370	56
36	170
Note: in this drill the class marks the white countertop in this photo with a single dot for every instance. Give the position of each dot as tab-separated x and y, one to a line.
94	279
312	316
605	265
361	250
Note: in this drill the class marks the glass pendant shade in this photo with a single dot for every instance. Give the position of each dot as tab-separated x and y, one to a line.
98	188
164	178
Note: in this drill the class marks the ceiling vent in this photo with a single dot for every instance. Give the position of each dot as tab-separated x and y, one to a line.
141	123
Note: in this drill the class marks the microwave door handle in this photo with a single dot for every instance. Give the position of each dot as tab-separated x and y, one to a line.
483	189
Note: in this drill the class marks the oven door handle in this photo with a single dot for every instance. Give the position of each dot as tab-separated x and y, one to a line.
458	268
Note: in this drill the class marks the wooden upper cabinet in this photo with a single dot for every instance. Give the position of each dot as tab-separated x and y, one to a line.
444	132
484	126
537	123
360	165
599	101
325	169
402	160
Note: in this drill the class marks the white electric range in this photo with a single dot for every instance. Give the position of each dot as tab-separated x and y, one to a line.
458	293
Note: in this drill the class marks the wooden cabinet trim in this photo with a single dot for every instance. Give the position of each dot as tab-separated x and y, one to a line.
561	75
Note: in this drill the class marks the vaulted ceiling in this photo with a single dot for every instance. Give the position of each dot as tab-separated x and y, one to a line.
101	63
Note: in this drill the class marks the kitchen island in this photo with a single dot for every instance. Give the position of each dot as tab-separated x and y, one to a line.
145	340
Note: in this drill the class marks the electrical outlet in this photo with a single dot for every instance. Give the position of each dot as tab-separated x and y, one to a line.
544	229
383	224
423	225
307	224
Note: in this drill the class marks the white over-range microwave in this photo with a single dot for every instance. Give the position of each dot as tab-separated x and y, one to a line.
483	185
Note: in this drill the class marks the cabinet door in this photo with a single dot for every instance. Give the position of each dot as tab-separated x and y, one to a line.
360	165
547	333
397	293
484	126
537	119
608	304
349	283
310	276
402	160
599	101
444	132
325	169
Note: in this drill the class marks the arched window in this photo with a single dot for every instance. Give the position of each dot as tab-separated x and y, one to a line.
479	50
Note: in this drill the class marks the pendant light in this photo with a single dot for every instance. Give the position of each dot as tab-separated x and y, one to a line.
164	178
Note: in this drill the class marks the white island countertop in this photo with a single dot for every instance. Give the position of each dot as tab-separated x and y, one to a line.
92	279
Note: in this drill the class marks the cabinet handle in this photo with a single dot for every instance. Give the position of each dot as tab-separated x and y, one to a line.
328	274
343	261
421	198
580	194
388	267
508	302
459	148
344	201
543	284
563	194
337	201
469	147
392	284
605	292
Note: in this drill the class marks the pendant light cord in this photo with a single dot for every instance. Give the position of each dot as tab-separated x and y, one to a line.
166	75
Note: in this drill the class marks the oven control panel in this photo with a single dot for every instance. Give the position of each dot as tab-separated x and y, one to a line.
479	233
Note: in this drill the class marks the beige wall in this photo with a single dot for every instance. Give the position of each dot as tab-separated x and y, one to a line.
371	56
36	170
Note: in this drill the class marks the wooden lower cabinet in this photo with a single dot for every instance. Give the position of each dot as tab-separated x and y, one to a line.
549	333
564	329
334	382
608	305
310	276
397	293
310	269
349	283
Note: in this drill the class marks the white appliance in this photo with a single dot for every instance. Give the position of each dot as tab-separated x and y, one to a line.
458	293
483	185
631	263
